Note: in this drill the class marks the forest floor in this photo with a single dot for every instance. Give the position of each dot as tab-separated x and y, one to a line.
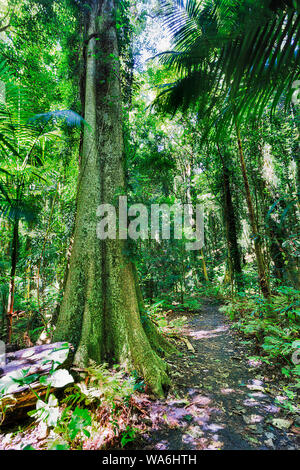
223	399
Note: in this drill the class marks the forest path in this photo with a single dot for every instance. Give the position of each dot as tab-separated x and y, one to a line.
222	400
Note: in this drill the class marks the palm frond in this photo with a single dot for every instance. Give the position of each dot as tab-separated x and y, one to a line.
19	209
249	48
71	118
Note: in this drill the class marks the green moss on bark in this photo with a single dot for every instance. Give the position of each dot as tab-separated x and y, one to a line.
100	312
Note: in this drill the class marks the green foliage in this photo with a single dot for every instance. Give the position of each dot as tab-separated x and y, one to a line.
128	435
107	386
74	416
158	313
80	419
70	428
104	392
242	53
139	385
229	61
277	335
48	412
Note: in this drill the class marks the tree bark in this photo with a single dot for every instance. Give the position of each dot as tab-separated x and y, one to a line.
100	312
263	282
11	295
235	264
204	266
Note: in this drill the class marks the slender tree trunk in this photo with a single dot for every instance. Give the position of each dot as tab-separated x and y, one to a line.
235	264
158	342
43	250
100	312
228	277
204	266
11	295
28	268
284	265
295	112
263	282
191	196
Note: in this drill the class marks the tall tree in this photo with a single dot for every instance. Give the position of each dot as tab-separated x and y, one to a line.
230	222
261	267
101	309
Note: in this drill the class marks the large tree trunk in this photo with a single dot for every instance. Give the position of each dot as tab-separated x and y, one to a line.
100	310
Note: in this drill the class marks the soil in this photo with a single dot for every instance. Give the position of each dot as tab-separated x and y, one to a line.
222	399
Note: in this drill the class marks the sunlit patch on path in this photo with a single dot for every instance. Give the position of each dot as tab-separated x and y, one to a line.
219	400
207	334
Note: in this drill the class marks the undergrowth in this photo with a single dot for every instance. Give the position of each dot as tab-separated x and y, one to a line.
100	411
274	327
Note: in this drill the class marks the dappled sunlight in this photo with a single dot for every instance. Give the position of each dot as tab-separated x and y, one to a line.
271	409
254	363
214	427
253	418
227	391
199	400
149	246
163	445
209	444
251	402
223	402
207	334
258	395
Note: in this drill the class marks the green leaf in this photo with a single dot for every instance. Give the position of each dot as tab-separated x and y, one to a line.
80	419
59	379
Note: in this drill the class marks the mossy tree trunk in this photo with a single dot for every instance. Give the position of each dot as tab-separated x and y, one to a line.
100	311
234	262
